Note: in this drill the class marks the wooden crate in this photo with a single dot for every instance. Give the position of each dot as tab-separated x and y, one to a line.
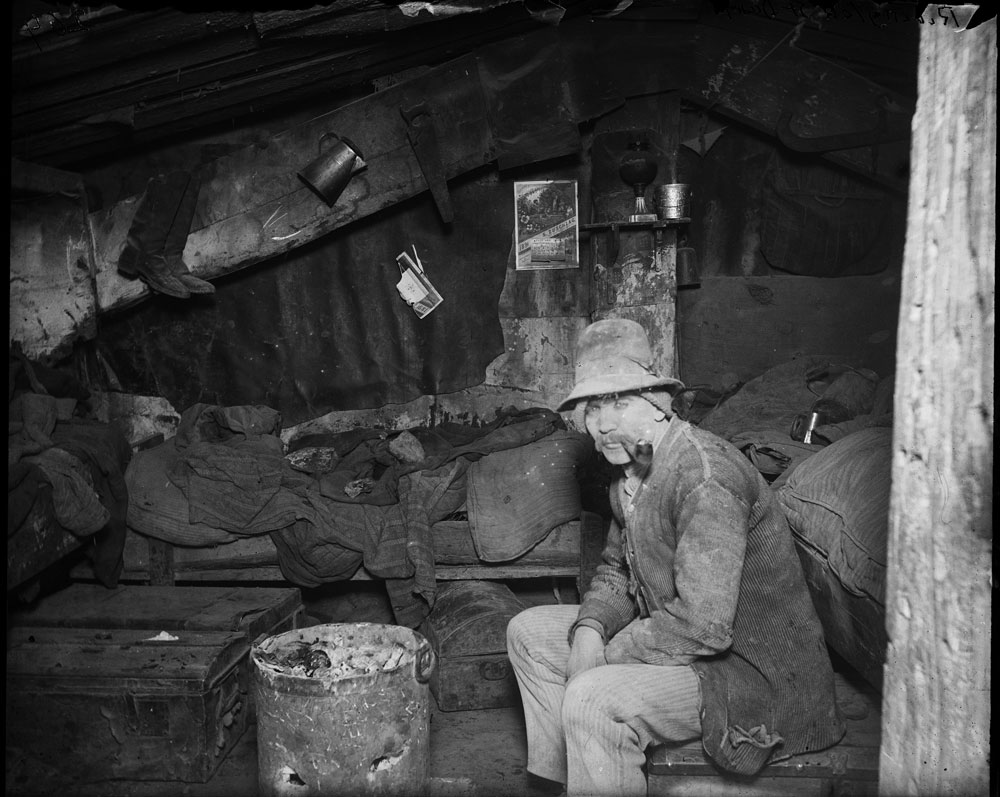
468	630
86	705
848	768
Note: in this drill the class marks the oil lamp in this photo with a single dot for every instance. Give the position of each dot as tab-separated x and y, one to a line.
638	169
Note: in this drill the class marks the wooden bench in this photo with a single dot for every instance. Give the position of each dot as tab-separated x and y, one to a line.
571	550
847	768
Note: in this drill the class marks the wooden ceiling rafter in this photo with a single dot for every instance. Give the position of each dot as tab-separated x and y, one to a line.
177	87
193	71
882	54
351	17
145	80
112	42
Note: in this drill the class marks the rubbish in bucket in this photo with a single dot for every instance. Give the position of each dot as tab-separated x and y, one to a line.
343	709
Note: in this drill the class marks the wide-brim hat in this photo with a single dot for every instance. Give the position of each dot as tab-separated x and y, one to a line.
614	356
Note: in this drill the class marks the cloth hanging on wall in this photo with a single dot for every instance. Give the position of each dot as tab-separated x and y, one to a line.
324	328
817	221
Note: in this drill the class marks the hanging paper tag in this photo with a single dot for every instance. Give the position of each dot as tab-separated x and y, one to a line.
414	287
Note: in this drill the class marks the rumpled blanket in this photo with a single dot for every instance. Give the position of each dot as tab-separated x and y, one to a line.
229	467
106	452
392	541
81	462
758	418
77	507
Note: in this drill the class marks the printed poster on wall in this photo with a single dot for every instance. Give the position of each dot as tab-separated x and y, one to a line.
546	224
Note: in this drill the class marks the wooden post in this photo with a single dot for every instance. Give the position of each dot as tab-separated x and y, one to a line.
936	697
640	283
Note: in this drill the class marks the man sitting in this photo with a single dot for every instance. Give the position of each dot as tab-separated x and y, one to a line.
698	622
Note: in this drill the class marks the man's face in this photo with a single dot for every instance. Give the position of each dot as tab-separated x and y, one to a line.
617	423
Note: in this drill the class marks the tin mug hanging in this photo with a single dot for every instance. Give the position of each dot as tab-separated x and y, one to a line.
329	174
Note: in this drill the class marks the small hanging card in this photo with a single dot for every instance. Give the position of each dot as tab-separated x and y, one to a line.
414	286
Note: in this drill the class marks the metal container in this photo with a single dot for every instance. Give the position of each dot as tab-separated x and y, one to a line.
329	174
343	709
672	201
94	704
468	630
805	424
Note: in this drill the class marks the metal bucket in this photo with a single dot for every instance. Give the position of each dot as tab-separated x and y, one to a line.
672	201
342	709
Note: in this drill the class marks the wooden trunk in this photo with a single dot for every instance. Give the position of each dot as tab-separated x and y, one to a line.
847	768
250	610
468	630
86	705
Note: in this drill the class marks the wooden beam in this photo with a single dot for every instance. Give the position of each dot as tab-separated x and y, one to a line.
110	42
253	206
180	72
353	17
936	723
214	91
231	53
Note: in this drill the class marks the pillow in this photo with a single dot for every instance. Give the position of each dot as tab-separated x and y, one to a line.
518	495
837	503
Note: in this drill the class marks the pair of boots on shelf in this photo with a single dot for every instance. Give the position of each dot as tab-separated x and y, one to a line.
154	249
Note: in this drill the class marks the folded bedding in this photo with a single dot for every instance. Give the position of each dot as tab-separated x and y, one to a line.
367	497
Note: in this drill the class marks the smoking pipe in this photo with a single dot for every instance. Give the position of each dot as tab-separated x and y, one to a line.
643	453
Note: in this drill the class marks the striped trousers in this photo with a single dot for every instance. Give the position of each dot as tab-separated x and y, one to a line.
592	733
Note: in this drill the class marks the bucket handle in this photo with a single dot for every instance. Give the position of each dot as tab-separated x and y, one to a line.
324	137
424	661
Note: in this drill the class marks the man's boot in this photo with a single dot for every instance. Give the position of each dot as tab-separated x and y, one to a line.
173	249
143	252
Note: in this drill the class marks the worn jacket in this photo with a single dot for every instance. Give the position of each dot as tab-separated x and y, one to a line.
699	568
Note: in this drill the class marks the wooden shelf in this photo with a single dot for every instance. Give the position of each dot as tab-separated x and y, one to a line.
634	225
617	227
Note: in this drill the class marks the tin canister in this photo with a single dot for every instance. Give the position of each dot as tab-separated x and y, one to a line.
672	201
805	424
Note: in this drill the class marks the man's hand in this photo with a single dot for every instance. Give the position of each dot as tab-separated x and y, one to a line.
586	653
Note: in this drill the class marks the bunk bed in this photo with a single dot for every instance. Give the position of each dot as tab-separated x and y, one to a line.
225	500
